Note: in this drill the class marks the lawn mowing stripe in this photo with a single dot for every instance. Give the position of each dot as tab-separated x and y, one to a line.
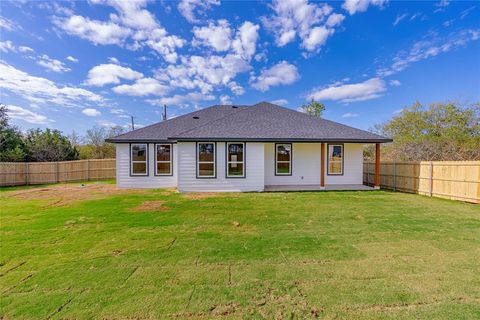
59	309
21	281
13	268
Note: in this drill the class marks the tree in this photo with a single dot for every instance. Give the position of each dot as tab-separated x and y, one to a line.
12	147
314	108
441	131
96	147
49	145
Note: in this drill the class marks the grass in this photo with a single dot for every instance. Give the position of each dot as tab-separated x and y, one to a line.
73	252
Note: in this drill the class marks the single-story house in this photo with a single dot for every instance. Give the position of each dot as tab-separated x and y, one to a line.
244	148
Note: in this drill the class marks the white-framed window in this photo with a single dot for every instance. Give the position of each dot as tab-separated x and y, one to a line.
139	159
163	159
335	159
206	160
235	160
283	159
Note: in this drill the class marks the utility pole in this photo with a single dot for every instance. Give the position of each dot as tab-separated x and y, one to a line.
133	124
164	112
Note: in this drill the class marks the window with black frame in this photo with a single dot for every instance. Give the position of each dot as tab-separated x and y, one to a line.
235	160
335	159
283	159
163	159
206	160
138	159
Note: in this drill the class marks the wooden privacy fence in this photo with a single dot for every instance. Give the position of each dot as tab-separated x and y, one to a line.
459	180
25	173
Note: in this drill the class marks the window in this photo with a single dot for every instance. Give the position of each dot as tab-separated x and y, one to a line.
283	159
206	160
139	159
335	159
163	159
235	160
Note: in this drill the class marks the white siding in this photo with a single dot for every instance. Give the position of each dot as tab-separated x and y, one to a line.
253	181
306	165
352	165
124	180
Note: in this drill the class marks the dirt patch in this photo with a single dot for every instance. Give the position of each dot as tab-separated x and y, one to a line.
148	206
62	195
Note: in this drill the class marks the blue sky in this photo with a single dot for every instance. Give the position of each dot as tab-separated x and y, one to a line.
73	65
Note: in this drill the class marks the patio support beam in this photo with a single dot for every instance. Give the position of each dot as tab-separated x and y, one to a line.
377	166
322	166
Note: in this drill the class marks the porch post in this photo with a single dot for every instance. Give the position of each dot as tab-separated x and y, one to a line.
377	166
322	166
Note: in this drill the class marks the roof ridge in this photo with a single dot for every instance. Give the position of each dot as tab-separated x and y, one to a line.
242	108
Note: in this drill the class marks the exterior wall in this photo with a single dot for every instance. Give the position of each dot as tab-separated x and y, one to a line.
254	174
306	165
124	180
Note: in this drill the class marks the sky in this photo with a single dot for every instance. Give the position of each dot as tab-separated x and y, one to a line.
74	65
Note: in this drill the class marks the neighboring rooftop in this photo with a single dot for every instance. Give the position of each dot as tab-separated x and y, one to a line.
260	122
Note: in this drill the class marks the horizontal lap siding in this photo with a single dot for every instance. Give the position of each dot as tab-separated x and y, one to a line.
353	165
306	165
254	180
124	180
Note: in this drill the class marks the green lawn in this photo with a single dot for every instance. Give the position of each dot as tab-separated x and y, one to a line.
86	252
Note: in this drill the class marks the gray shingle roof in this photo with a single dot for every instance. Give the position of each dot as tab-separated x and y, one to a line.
261	122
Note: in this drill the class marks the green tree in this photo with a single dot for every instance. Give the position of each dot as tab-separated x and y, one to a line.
49	145
12	147
96	147
441	131
314	108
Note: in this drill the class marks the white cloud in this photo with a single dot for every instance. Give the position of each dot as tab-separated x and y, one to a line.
25	49
354	6
41	90
7	46
51	64
187	8
90	112
395	83
217	36
6	24
113	60
349	115
280	102
442	4
317	37
20	113
312	22
398	111
203	72
367	90
183	100
282	73
429	48
72	59
121	113
142	87
110	74
245	40
399	18
95	31
131	26
225	99
236	88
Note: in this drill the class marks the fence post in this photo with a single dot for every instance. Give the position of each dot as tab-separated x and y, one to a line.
26	173
394	176
56	172
88	169
431	178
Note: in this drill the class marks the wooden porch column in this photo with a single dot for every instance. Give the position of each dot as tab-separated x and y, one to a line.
377	166
322	166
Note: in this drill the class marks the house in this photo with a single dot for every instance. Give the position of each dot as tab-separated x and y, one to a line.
244	148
